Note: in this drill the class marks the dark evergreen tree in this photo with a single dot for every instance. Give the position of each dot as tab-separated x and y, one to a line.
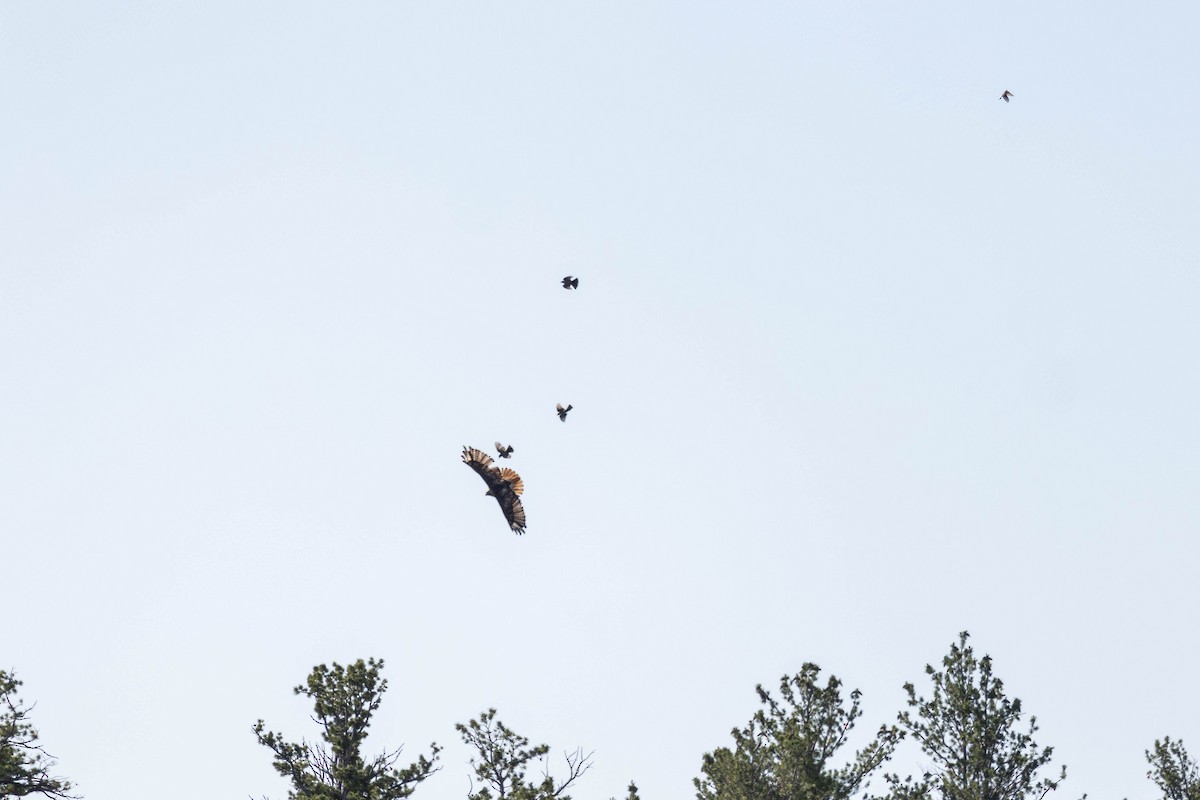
968	727
1173	770
783	753
344	699
502	758
24	765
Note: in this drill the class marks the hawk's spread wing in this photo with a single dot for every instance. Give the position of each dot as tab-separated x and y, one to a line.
514	512
479	461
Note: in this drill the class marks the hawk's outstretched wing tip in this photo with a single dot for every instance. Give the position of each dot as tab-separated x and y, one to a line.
477	459
516	516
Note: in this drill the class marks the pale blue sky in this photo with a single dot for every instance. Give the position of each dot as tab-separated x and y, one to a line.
861	357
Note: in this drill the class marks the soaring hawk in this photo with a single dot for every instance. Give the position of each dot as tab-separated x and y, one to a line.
503	484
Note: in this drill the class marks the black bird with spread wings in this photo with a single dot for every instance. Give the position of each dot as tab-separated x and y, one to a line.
562	412
505	451
1007	94
570	282
503	484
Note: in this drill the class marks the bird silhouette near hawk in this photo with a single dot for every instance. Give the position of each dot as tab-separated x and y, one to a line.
503	484
562	412
570	282
1007	94
505	452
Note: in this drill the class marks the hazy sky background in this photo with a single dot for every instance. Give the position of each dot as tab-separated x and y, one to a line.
861	357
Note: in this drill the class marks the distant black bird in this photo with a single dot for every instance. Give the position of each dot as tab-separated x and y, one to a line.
570	283
1007	94
505	452
562	412
503	484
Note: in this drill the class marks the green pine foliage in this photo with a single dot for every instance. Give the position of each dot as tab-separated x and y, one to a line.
502	758
344	700
1173	770
784	752
968	728
972	735
24	765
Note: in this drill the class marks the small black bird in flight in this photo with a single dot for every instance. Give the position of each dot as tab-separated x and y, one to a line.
505	452
570	282
562	412
1007	94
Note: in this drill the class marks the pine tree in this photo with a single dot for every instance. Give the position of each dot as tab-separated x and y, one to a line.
1173	770
968	728
785	750
24	765
344	699
502	758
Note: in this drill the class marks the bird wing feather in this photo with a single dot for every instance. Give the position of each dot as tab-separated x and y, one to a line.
514	512
482	463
